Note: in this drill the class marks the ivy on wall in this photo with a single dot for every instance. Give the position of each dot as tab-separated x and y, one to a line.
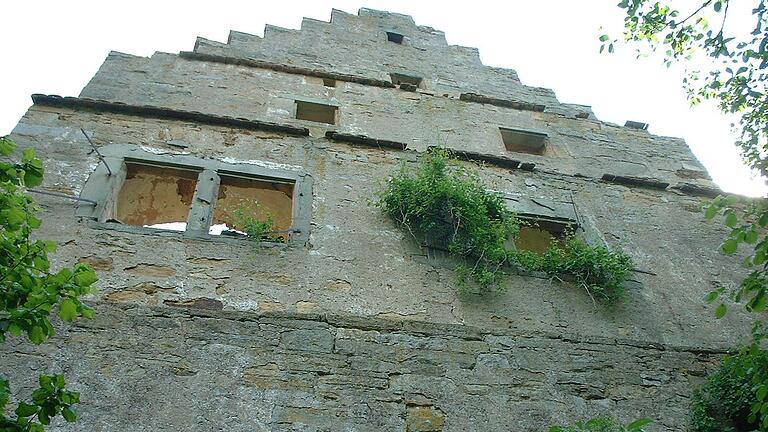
440	202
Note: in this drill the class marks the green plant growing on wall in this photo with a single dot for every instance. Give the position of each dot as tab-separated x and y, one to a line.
724	403
257	230
599	271
441	202
603	424
29	291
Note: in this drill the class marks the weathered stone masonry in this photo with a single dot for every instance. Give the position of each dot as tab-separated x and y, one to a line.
351	326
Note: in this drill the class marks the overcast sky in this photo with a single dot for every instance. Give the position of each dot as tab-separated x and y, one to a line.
56	47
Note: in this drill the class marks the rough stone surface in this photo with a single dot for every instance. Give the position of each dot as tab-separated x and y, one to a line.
359	328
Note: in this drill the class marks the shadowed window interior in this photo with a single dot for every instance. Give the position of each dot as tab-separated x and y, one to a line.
537	235
329	82
315	112
521	141
156	197
400	79
395	37
241	199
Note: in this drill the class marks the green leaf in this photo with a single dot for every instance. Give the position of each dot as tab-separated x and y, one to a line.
637	424
69	415
729	246
712	296
721	311
6	146
14	329
763	221
44	417
85	276
757	304
751	236
68	310
761	393
604	38
718	5
36	335
87	312
25	410
731	220
711	211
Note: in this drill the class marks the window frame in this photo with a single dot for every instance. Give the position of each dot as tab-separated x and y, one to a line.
104	189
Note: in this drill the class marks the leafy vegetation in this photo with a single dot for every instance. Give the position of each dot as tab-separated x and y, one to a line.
732	70
257	230
724	403
595	268
603	424
29	291
443	204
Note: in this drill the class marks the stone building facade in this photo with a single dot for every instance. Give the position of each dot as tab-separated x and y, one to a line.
345	323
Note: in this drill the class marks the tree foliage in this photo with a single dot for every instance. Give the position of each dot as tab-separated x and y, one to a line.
724	403
734	62
735	75
30	290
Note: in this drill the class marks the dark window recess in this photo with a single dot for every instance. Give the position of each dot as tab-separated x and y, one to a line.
395	37
315	112
155	197
520	141
536	235
329	82
636	125
407	82
241	199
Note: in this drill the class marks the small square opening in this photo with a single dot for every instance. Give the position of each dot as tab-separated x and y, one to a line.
521	141
329	82
409	80
156	197
537	235
395	37
315	112
243	200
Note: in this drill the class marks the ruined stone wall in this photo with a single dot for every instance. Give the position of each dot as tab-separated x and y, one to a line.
358	329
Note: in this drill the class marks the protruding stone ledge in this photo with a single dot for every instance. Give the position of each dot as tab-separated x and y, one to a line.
635	181
499	161
526	106
364	140
289	319
696	190
165	113
189	55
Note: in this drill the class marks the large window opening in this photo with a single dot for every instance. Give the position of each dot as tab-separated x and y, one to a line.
149	191
156	197
243	200
538	235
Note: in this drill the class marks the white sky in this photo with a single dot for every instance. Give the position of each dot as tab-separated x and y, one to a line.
55	47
